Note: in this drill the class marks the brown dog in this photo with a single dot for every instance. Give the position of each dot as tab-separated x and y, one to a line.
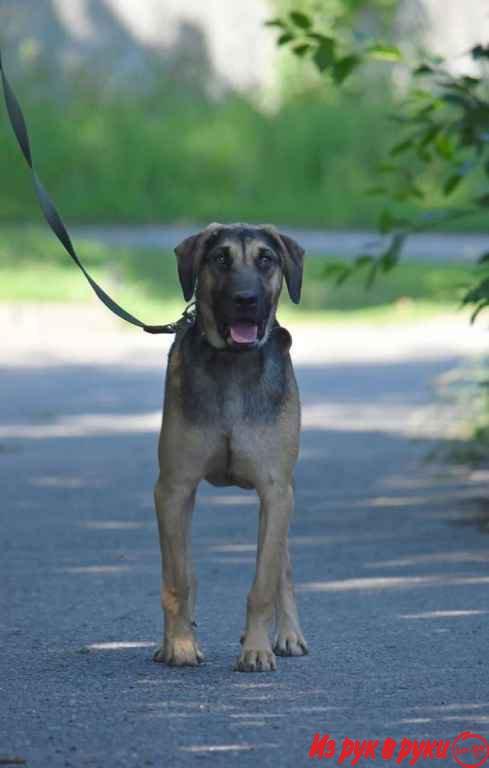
232	416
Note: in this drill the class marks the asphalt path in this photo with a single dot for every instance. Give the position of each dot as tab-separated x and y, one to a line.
426	247
391	568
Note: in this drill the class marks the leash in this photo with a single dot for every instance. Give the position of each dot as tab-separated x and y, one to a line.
53	218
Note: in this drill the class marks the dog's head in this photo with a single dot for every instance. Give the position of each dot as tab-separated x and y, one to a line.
236	272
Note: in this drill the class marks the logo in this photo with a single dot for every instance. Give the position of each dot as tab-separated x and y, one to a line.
470	750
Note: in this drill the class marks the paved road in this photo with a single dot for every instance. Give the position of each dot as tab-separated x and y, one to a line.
392	576
423	247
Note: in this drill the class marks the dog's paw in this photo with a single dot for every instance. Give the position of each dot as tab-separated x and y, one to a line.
290	642
179	652
256	661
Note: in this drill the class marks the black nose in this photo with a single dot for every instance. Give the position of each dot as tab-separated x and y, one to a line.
245	299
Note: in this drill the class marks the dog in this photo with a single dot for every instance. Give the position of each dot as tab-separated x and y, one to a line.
231	416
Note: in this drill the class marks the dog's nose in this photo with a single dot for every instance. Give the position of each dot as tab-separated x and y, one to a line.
245	299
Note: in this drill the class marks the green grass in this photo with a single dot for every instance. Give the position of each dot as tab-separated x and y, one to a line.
172	155
171	158
34	268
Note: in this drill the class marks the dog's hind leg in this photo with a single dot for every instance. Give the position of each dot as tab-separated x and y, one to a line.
174	505
289	640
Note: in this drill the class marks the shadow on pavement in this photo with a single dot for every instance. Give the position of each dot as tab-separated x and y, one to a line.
393	598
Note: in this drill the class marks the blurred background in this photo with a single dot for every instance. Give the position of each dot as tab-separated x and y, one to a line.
175	112
179	111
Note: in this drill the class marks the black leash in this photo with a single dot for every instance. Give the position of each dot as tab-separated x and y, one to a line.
53	218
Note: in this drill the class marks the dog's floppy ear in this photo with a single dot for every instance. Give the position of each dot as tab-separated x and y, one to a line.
189	254
293	256
294	267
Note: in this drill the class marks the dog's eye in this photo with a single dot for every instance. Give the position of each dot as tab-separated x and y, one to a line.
221	257
265	258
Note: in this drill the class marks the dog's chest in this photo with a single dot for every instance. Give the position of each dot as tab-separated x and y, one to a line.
222	389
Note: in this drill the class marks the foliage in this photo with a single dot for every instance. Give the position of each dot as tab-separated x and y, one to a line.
170	155
169	158
444	134
327	51
346	17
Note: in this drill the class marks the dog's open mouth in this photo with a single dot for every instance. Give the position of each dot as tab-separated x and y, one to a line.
243	333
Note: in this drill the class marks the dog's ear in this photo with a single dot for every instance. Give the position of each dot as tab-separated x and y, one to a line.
293	256
189	254
294	267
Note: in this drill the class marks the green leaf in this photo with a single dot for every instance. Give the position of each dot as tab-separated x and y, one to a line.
415	191
285	38
390	257
342	277
430	134
301	50
479	293
386	221
338	270
372	274
318	36
484	258
384	52
275	23
342	68
301	20
423	69
483	200
332	270
325	54
479	52
427	110
419	94
444	146
452	183
363	260
401	147
478	310
457	99
424	155
471	82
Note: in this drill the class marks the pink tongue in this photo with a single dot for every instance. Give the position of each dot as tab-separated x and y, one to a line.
243	333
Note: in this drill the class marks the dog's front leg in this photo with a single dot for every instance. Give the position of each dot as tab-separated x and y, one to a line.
289	640
256	651
174	506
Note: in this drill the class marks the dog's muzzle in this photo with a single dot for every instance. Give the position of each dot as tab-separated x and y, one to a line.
247	327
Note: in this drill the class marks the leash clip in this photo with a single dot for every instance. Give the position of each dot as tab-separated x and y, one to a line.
187	319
